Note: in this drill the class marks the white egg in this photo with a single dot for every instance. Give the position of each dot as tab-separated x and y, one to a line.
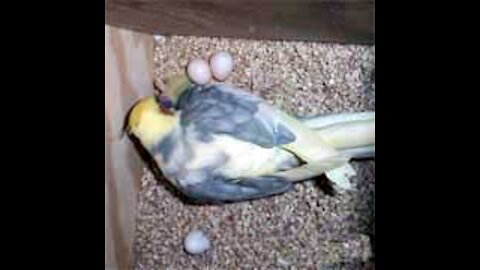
199	71
221	65
196	242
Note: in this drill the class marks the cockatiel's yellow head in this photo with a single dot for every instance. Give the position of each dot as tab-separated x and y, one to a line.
149	122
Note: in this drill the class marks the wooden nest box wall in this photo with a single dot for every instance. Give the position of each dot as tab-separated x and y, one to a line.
129	27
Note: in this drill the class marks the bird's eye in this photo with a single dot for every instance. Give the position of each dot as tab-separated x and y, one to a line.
164	102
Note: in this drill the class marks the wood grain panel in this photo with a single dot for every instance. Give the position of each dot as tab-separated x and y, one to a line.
341	21
128	76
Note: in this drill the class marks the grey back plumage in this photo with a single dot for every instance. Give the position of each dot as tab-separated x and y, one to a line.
221	109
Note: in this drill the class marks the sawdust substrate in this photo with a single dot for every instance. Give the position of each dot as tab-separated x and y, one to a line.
307	228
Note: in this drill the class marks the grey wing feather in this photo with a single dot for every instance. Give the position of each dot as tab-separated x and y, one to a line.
219	109
221	190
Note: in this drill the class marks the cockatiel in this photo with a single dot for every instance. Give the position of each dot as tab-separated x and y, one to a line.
219	143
